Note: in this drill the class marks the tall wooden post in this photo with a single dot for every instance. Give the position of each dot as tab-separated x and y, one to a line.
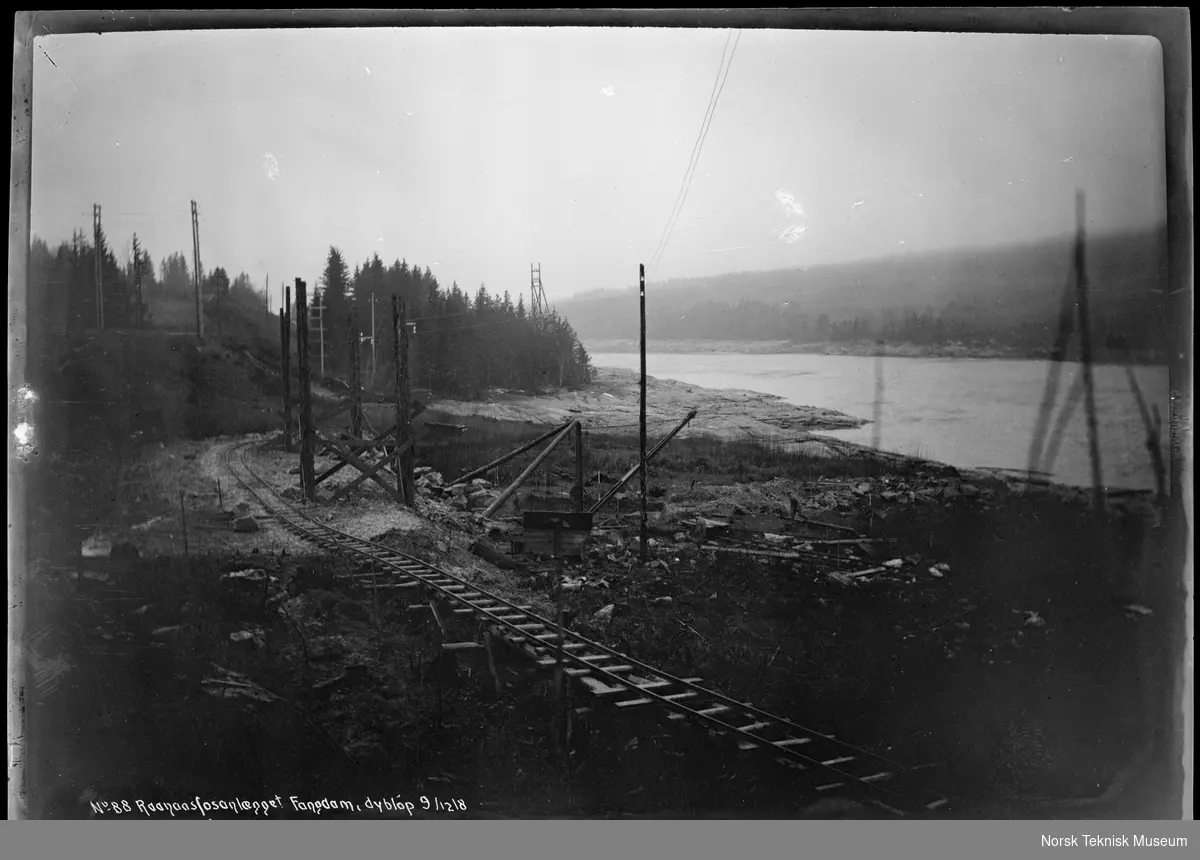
1085	350
321	328
196	272
645	529
285	322
307	476
404	458
577	490
355	375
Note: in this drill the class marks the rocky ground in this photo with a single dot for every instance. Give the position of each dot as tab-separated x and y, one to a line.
613	401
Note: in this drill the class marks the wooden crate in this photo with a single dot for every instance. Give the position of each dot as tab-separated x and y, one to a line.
538	529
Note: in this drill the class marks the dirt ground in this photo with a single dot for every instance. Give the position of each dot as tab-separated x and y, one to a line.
1003	643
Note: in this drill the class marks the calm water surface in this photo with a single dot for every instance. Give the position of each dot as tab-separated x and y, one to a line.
966	412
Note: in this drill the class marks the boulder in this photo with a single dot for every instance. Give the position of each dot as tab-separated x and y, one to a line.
246	525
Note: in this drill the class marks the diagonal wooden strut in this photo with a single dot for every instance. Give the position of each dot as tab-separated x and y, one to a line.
369	471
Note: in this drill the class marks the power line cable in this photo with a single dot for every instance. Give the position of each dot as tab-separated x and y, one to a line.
712	96
697	162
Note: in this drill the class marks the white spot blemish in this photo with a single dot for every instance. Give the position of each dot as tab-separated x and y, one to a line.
1068	158
856	205
367	70
271	166
24	436
408	113
791	209
608	91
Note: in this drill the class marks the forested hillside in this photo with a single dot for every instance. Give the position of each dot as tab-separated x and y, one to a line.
1007	296
462	344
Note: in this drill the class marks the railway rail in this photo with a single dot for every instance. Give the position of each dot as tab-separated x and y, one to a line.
612	678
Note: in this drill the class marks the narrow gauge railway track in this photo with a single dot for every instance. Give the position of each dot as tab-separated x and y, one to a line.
839	768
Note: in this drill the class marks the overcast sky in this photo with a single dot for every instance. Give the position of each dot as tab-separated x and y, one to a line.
477	152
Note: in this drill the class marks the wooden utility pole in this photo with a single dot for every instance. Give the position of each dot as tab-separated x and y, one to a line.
1085	350
285	323
307	476
196	271
645	529
319	307
373	367
404	455
97	242
355	375
577	490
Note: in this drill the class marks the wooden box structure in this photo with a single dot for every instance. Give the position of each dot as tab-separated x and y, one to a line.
538	529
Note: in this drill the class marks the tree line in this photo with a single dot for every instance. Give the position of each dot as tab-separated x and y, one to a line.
62	294
1118	326
461	344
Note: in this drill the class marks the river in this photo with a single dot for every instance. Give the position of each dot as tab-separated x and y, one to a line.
970	413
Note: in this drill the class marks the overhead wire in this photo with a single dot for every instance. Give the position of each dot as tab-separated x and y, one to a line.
697	150
696	163
712	97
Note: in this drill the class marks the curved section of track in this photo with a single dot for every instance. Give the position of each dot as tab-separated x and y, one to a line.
609	675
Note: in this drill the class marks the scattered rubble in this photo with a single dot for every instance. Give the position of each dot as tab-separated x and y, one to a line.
246	525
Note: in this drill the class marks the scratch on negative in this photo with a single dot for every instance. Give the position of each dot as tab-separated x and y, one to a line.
64	74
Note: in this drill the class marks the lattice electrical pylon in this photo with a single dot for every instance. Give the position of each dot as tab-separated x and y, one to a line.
537	296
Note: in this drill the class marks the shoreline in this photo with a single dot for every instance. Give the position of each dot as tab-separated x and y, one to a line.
862	348
612	401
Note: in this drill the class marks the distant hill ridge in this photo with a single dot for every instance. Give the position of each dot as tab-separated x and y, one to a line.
1005	293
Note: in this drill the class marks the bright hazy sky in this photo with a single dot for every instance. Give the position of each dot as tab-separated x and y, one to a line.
479	151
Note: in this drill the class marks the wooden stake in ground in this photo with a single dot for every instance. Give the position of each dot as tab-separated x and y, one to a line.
307	476
577	490
404	457
183	518
645	528
285	342
1085	349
